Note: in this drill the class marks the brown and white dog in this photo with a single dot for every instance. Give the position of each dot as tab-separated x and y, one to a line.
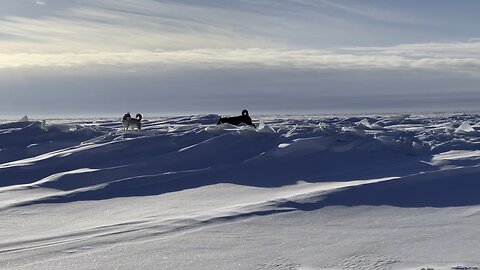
237	120
128	121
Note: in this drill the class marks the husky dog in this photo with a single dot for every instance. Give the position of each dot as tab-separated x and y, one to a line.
128	121
237	120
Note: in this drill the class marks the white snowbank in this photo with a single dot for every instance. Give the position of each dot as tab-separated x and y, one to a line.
75	192
465	127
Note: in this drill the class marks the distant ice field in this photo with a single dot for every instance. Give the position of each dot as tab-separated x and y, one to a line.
379	191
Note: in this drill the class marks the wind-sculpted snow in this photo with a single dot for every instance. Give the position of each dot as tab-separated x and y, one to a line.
173	154
181	173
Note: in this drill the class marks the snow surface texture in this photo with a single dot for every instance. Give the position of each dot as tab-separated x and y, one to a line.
301	192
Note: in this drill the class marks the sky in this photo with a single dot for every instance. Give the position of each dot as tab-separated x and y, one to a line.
69	58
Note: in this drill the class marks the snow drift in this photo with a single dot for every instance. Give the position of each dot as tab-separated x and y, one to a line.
74	188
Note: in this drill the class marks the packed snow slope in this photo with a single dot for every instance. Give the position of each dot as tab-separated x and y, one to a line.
299	192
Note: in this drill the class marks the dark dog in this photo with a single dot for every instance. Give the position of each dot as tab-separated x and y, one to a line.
237	120
128	121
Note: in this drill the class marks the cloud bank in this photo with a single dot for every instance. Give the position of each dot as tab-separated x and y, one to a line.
405	57
212	34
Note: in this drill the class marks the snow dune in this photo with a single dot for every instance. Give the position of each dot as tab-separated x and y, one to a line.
184	193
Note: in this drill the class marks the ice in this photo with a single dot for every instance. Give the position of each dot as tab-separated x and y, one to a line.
300	192
24	119
364	124
465	127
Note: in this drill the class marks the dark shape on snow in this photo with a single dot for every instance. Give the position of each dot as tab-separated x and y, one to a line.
237	120
128	121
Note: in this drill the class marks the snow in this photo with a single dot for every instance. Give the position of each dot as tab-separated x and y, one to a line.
24	119
465	127
300	192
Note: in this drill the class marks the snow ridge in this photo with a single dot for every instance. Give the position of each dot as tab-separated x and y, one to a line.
185	174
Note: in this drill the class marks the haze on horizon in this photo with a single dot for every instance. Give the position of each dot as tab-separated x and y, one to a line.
105	57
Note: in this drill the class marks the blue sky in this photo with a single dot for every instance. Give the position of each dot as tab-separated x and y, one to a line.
105	57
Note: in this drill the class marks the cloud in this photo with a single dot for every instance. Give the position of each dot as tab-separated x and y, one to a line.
126	25
469	48
446	58
212	34
381	15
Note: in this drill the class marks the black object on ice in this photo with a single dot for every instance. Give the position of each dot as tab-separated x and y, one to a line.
128	121
237	120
